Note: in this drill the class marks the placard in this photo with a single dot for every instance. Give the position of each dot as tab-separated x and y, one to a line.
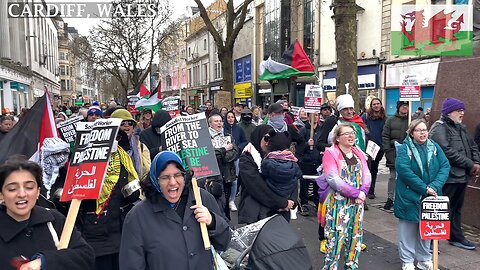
89	161
435	218
189	137
409	88
172	106
67	129
313	98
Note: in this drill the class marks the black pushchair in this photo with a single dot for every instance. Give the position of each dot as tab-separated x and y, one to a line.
270	243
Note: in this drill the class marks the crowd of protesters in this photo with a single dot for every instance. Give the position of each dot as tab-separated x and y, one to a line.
263	156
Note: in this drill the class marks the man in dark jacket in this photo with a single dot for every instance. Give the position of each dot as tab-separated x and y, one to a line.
151	136
309	160
464	158
395	130
246	123
277	121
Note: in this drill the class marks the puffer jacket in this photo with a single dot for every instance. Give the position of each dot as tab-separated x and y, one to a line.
307	157
413	178
394	130
461	151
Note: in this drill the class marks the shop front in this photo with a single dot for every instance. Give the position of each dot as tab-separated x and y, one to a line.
214	88
426	74
197	97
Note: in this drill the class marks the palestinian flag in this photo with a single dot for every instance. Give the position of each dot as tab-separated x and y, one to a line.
27	136
140	91
296	64
152	101
440	30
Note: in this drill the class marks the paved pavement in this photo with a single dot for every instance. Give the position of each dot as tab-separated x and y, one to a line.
380	236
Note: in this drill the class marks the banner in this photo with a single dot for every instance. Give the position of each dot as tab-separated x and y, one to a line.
433	29
89	161
435	218
189	137
67	129
172	105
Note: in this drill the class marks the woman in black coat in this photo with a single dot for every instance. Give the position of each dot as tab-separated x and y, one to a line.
33	231
257	200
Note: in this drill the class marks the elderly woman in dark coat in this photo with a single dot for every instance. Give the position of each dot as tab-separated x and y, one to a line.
32	231
257	200
163	231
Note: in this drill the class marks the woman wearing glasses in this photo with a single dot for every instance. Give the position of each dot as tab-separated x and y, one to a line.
163	232
346	172
138	151
422	169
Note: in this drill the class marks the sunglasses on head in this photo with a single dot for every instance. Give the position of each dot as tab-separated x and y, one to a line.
128	123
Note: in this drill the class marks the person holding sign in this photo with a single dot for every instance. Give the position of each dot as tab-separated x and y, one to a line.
100	221
346	172
422	169
29	234
151	136
163	232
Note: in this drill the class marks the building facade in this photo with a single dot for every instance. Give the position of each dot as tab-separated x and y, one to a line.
28	60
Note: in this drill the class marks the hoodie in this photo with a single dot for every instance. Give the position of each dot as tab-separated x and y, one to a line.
151	136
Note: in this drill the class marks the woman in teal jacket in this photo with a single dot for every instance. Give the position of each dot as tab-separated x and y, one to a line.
422	169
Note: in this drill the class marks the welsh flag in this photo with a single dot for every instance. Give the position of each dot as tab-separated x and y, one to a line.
432	30
27	136
296	64
152	101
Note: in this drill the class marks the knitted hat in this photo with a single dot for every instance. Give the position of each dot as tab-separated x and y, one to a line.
452	104
345	101
159	163
278	141
123	114
96	111
401	103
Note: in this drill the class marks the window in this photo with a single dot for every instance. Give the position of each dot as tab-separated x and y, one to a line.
205	44
308	26
205	73
62	85
62	70
272	29
189	75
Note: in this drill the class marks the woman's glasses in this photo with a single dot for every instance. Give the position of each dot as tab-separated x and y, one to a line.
128	123
178	176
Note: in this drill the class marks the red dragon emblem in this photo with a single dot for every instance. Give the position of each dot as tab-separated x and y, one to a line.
432	34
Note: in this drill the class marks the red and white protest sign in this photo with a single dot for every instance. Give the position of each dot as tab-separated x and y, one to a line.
172	106
410	88
89	161
313	98
435	218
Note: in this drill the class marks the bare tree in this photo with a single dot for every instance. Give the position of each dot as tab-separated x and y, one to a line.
126	46
345	16
234	21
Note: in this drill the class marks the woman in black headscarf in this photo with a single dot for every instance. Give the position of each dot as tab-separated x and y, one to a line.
257	200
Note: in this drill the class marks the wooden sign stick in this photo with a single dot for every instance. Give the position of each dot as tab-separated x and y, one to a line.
203	226
435	254
69	224
312	130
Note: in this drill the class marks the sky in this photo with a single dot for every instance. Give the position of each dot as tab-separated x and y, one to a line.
83	25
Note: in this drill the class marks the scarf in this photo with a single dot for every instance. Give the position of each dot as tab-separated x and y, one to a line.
282	155
257	158
117	159
278	123
135	154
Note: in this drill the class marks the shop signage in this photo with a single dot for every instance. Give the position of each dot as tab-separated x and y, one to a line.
243	90
243	69
365	82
